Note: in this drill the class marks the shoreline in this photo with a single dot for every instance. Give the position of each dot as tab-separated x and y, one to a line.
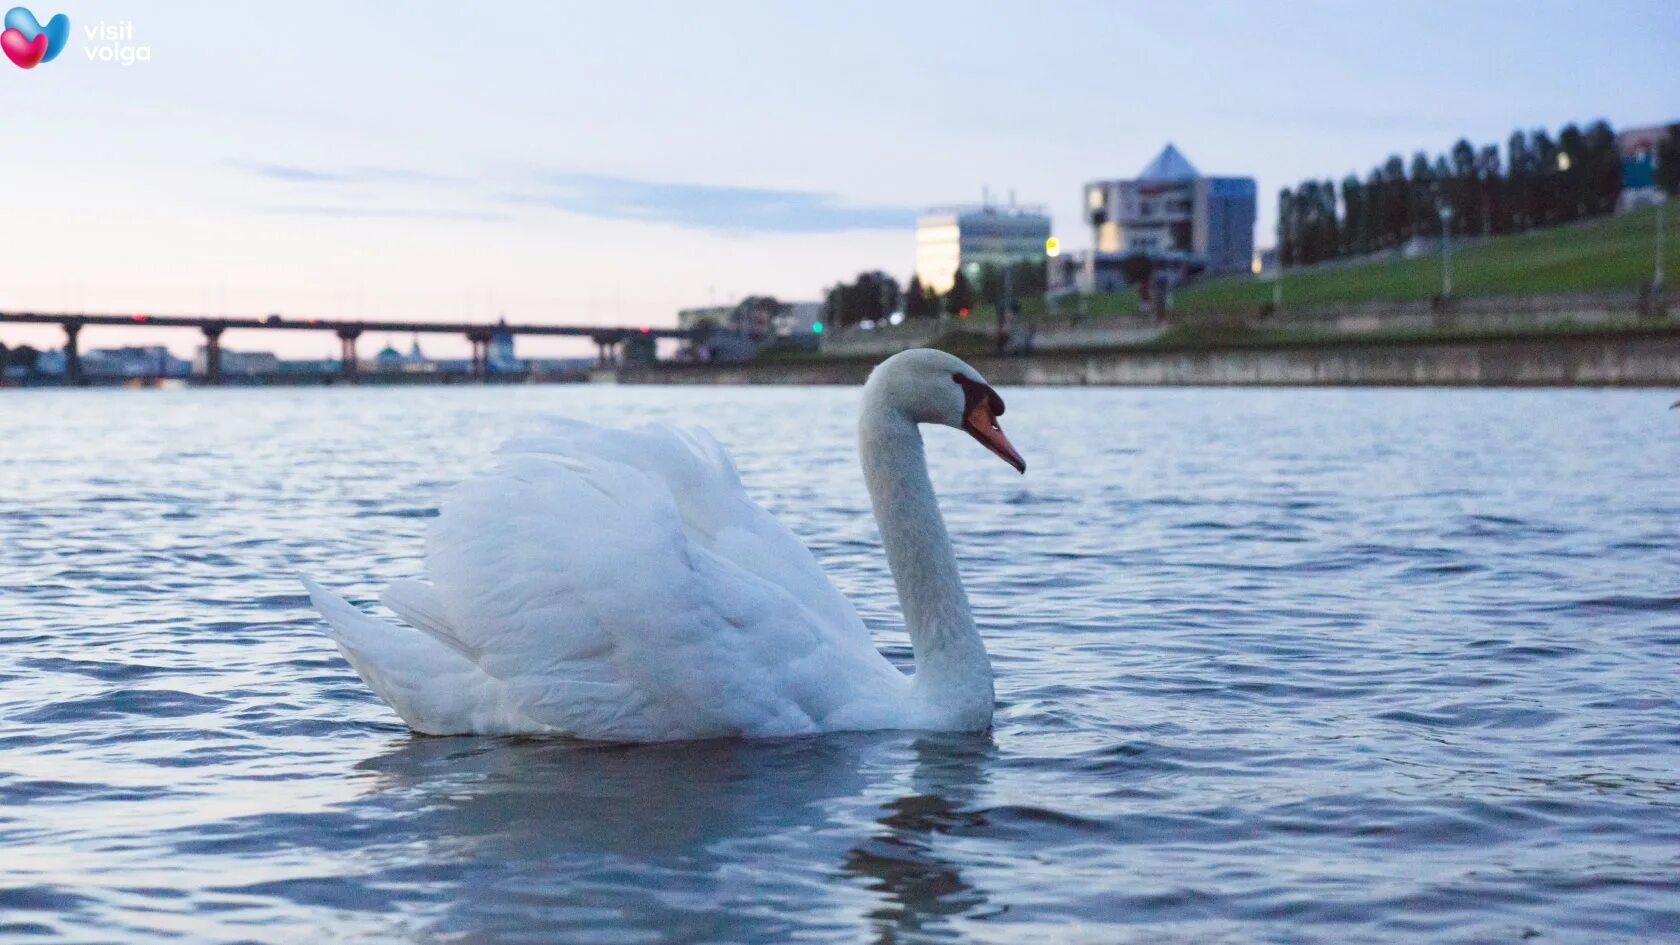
1644	356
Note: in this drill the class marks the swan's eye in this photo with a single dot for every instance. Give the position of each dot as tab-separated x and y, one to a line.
976	393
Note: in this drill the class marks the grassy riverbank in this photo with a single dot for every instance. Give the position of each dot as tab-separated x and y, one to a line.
1603	255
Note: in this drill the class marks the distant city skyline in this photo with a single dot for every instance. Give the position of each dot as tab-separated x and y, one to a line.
561	162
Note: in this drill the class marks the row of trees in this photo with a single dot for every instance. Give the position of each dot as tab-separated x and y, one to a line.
873	296
1538	182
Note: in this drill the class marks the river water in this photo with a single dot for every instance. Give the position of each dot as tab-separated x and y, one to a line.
1273	665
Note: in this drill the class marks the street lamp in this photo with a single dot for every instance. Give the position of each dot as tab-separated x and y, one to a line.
1662	210
1656	270
1446	252
1277	263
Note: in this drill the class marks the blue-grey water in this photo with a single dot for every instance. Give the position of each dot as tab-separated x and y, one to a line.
1273	666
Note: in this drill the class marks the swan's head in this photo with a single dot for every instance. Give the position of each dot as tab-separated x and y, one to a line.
930	386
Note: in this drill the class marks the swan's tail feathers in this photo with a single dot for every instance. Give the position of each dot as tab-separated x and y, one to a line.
348	627
424	680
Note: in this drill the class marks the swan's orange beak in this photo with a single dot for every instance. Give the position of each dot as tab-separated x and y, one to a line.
982	424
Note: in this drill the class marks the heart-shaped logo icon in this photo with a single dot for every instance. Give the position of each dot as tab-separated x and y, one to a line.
25	54
27	43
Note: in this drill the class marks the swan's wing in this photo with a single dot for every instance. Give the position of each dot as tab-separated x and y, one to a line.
622	586
716	512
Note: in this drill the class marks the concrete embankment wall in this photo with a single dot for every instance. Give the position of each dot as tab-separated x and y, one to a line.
1513	315
1649	358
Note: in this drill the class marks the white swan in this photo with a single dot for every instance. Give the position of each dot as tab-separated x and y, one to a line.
619	585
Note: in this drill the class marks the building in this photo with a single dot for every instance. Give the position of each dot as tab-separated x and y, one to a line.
737	332
718	338
313	368
147	361
389	360
706	317
502	359
1171	207
238	363
971	236
797	320
1170	214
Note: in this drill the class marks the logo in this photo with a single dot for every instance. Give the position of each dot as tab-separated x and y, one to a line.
27	43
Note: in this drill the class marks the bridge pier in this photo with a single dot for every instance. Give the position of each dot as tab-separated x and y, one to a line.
213	354
612	343
480	354
72	354
606	351
348	366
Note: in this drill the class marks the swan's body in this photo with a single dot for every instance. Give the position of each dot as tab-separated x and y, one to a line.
620	585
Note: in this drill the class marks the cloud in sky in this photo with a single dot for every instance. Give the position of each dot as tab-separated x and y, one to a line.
714	207
297	174
393	213
719	208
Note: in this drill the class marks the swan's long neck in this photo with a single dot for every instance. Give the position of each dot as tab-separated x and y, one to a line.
953	675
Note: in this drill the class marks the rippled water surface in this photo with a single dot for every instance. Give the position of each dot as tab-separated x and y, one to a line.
1305	666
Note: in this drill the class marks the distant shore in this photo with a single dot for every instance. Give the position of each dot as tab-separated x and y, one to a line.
1626	356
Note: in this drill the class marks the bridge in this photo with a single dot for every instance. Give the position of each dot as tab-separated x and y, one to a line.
606	338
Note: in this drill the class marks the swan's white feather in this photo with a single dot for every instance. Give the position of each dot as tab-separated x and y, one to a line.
619	585
417	604
433	689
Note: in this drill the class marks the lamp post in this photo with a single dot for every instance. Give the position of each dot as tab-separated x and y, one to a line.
1277	277
1446	252
1657	266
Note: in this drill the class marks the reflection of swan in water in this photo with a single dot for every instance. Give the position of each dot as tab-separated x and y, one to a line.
532	798
724	840
920	889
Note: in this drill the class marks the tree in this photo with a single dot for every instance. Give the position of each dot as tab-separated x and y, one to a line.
1668	161
1376	211
1543	155
1423	195
1286	251
1316	233
1540	182
1022	278
960	300
989	283
919	302
755	313
26	357
844	306
1465	193
1397	201
1032	277
871	298
1356	235
890	294
1490	184
1520	182
1573	170
1604	168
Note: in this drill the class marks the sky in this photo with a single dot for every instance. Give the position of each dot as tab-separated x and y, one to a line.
612	163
